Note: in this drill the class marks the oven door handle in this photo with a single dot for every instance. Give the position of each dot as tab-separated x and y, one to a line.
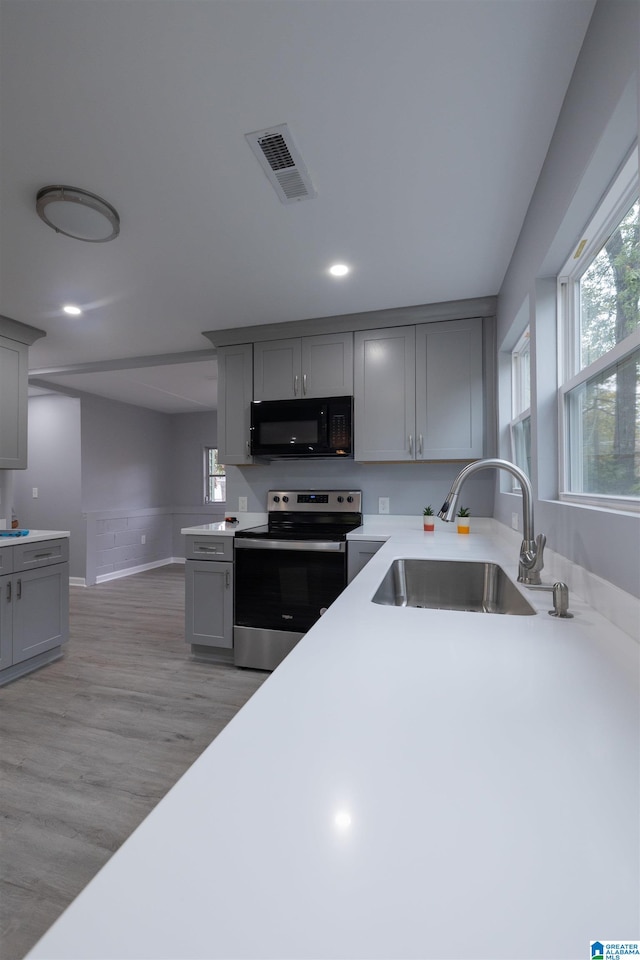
324	546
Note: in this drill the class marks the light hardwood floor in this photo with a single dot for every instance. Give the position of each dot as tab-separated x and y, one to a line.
90	744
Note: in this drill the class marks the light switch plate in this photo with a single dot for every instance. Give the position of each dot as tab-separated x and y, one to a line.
514	521
242	504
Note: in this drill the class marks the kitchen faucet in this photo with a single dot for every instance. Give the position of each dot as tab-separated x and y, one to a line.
532	548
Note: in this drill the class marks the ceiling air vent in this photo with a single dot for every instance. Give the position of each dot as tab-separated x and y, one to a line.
279	158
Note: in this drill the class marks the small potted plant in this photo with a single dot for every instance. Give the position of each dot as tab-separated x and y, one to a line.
428	520
463	519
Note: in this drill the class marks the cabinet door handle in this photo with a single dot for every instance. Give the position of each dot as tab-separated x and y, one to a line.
410	444
295	385
19	590
304	384
420	445
227	579
9	592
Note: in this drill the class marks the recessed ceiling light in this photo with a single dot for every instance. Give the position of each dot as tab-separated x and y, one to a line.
72	310
339	270
77	213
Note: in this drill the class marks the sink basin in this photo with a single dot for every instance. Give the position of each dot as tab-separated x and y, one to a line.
468	585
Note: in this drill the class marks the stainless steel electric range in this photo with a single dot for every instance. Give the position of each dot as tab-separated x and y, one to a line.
289	571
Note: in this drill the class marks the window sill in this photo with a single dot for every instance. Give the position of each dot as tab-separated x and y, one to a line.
604	504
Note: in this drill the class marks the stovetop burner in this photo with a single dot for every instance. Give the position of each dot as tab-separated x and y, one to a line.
309	515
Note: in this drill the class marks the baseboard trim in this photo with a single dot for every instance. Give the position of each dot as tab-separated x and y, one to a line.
129	571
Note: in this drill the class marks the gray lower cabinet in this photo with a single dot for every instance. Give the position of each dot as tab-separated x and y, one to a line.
209	596
6	623
419	392
34	606
359	552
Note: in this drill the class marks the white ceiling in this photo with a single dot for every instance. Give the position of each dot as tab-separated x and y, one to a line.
423	124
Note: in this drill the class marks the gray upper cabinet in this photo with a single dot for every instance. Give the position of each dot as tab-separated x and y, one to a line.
449	390
419	392
385	394
13	404
235	392
320	366
15	340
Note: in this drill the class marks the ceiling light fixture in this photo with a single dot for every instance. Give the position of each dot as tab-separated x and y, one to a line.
339	270
72	310
77	213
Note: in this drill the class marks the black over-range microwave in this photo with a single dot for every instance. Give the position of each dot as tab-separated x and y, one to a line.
302	428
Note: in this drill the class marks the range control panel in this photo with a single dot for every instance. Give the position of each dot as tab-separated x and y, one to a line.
325	501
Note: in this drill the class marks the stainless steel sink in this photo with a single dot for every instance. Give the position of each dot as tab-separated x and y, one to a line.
451	585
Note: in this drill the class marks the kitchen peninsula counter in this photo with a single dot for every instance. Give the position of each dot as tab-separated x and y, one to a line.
408	783
223	528
34	536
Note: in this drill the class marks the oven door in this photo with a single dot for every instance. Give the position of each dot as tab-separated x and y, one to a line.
281	588
286	584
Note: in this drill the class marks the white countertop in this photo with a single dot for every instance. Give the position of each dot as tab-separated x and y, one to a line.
224	529
33	537
407	784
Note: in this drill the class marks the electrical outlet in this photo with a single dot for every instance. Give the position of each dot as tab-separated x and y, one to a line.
242	504
514	521
143	538
35	493
383	504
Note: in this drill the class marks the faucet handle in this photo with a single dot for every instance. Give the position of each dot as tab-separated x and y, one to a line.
538	564
531	559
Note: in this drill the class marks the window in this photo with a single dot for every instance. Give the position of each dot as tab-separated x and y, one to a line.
520	425
215	480
599	299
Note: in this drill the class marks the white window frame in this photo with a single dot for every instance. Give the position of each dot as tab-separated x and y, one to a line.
519	412
207	475
610	212
518	405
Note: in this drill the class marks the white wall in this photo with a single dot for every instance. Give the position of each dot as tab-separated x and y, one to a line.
409	486
597	127
189	434
112	473
125	456
54	459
